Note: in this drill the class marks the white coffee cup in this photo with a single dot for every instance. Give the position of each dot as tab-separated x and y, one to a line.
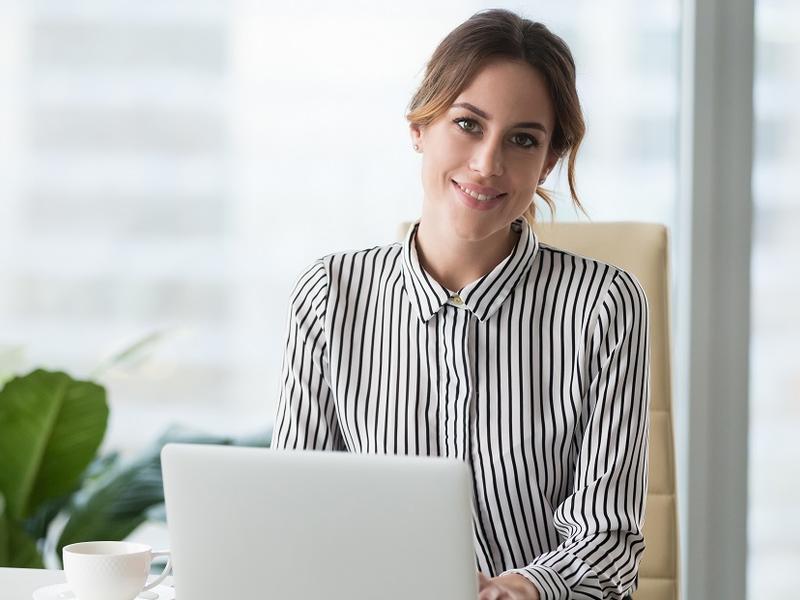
110	570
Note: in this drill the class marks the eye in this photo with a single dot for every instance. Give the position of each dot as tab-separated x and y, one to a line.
534	143
470	127
464	120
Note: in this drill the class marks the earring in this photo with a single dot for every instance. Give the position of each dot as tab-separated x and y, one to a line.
416	147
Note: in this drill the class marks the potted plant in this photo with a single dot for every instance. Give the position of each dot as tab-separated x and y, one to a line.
54	487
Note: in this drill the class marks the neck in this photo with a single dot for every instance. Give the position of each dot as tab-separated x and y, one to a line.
455	262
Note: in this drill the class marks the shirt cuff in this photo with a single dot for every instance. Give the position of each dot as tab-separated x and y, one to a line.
550	584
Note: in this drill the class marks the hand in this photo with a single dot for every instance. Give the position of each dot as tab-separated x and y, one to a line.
506	587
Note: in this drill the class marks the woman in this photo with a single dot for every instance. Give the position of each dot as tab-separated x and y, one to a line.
472	339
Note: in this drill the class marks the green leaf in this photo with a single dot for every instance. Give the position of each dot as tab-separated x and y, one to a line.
22	550
17	548
113	508
130	494
50	429
39	523
3	533
117	504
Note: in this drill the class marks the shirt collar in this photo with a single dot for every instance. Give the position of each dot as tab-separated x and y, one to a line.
483	296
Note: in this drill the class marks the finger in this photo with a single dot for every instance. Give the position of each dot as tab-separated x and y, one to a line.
489	593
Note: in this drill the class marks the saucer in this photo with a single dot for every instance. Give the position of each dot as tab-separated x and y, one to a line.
61	591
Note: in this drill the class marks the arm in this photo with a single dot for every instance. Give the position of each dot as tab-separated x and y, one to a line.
600	523
306	413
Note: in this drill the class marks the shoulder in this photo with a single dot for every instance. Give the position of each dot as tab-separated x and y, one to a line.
367	262
605	281
572	261
355	259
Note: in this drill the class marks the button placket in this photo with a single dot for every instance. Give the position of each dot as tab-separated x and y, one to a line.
455	382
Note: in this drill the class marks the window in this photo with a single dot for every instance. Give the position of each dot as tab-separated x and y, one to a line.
178	164
173	166
774	488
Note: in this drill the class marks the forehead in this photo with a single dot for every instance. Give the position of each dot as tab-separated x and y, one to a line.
509	90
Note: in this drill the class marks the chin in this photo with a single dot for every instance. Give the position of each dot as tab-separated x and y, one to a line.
472	229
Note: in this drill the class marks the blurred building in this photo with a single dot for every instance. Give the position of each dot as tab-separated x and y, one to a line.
774	487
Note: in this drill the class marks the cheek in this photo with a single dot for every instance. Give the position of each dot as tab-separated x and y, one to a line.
441	165
526	178
430	173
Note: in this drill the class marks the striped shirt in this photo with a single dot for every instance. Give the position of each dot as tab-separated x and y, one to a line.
536	375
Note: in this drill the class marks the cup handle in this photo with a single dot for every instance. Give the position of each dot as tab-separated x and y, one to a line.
164	573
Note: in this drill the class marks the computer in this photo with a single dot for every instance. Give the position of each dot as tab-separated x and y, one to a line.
308	525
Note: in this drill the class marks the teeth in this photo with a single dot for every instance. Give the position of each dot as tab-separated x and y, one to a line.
479	197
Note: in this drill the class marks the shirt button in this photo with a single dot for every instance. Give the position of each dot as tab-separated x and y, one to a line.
456	300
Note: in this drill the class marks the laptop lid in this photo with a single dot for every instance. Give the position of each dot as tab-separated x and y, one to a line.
260	523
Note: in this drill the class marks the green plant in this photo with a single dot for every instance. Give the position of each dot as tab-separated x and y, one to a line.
50	429
113	504
54	489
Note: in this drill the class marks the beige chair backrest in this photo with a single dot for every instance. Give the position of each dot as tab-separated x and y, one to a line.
643	250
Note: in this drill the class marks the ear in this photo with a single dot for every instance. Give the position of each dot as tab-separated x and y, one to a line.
550	161
416	134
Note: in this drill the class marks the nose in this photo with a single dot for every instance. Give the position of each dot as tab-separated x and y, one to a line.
487	159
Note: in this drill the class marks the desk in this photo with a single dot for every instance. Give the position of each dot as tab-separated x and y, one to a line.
19	584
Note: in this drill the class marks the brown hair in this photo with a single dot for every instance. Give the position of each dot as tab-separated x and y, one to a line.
500	33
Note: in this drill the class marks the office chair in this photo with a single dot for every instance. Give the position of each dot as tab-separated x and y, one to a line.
642	249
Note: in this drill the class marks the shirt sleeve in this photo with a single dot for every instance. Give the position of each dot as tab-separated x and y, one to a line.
600	522
306	416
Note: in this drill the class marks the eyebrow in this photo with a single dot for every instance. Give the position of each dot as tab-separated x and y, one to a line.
483	114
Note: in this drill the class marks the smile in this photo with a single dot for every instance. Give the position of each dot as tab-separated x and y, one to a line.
474	202
477	196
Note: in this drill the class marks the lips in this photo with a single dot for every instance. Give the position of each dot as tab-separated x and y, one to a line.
479	189
474	203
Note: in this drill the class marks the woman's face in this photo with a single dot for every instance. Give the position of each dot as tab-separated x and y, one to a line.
496	134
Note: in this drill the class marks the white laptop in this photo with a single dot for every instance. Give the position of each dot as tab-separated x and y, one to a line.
303	525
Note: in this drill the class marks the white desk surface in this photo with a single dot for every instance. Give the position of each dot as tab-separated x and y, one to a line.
19	584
